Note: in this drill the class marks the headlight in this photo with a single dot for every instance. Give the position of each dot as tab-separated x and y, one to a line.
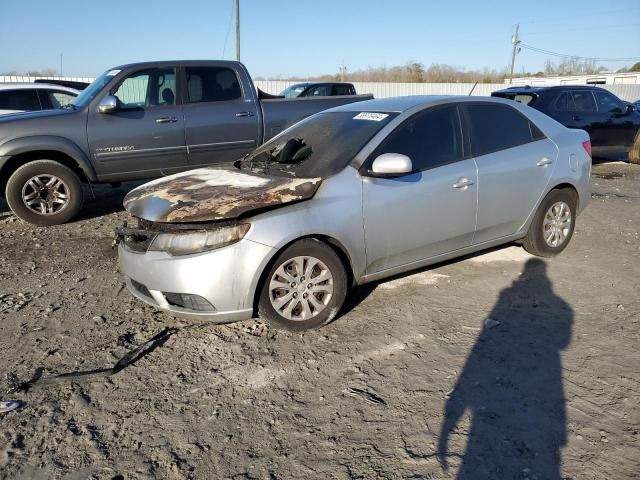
199	241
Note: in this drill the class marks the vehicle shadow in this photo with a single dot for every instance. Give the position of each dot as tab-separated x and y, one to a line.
102	199
511	386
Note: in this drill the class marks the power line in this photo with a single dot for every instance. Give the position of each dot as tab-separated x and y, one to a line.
226	37
579	57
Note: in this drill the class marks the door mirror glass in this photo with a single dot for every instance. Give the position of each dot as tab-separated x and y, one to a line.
391	165
108	104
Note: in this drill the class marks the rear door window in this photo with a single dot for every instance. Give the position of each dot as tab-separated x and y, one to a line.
319	91
23	99
211	84
584	101
342	90
564	103
430	138
495	127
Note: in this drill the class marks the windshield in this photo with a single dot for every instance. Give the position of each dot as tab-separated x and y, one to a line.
293	91
318	146
92	90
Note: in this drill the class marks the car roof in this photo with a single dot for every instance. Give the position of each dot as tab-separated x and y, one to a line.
402	104
37	86
540	88
171	63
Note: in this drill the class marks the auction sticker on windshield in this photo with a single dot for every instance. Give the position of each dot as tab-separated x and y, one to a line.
373	116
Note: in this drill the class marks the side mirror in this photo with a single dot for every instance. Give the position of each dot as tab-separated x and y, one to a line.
391	165
630	107
108	104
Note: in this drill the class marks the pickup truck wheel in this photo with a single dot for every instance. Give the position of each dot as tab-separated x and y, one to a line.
553	224
44	192
304	288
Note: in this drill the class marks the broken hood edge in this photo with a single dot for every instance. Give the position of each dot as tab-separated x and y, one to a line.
213	194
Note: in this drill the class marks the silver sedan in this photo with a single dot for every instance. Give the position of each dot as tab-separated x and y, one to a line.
352	195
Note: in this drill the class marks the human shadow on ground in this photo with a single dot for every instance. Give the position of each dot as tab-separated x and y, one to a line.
511	385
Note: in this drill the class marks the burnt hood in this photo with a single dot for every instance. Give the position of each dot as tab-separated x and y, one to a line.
211	194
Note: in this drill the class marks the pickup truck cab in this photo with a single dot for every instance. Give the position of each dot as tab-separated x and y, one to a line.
137	121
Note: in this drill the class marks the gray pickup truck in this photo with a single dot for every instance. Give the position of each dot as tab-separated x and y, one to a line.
137	121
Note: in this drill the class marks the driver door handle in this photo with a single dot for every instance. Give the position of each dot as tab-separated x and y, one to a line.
463	183
245	114
166	120
544	161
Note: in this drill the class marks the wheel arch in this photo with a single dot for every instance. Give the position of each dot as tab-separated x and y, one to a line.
18	152
330	241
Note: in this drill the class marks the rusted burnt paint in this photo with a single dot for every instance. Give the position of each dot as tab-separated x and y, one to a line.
210	194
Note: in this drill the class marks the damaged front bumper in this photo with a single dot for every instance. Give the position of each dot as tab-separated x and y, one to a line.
217	285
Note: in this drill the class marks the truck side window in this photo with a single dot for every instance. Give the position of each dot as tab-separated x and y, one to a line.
148	88
212	84
22	99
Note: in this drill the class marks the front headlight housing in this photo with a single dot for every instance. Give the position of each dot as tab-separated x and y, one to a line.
198	241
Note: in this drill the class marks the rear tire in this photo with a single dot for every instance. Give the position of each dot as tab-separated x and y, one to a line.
553	224
44	192
304	288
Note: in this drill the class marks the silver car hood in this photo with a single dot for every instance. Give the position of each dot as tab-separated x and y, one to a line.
211	194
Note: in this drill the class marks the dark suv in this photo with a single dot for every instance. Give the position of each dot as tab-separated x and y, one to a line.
612	123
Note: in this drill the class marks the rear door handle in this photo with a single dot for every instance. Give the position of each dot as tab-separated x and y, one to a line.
543	162
166	120
576	118
463	183
245	114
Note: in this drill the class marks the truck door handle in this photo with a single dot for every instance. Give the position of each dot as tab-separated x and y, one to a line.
463	183
245	114
544	161
166	120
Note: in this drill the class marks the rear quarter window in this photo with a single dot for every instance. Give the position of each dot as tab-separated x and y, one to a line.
495	127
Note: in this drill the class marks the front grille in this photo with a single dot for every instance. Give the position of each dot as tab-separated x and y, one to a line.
135	239
138	242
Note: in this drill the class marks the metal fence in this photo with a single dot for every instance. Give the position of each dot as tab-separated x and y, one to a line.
630	93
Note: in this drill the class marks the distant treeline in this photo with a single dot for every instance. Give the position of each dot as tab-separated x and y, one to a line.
442	73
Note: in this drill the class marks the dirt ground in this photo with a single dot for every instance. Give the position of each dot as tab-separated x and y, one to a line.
497	366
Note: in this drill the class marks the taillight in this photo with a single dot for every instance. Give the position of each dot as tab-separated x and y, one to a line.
587	146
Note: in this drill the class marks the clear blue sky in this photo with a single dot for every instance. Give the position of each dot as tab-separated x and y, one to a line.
286	37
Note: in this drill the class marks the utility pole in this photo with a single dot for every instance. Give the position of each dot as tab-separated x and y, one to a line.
60	65
238	30
343	70
514	41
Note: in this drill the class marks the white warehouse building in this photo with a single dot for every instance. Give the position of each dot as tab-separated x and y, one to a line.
627	78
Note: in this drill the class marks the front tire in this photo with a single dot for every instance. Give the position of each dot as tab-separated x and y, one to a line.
553	224
304	288
44	192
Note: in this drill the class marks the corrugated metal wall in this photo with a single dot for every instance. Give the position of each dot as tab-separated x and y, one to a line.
22	78
630	93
